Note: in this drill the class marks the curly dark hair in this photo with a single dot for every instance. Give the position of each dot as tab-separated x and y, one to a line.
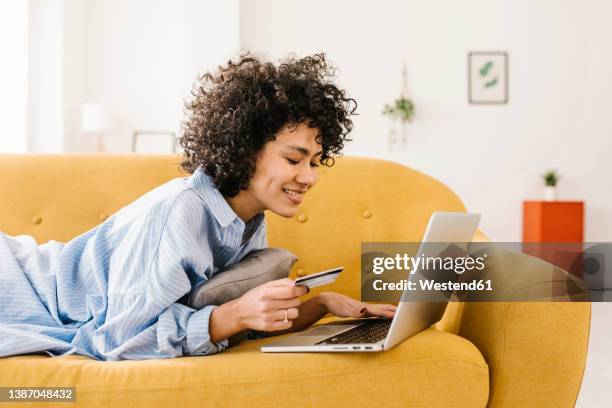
237	110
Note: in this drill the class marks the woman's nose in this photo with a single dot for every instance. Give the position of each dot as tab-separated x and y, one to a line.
307	176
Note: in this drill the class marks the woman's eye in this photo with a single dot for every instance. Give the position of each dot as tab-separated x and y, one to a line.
296	162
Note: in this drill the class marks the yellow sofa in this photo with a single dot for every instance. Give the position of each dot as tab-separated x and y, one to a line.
481	354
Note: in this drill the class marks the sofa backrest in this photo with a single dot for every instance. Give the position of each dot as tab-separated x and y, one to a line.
357	200
59	196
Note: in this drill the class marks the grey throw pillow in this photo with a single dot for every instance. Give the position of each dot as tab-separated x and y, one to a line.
258	267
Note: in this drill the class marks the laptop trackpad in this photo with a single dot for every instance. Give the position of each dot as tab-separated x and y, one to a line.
325	330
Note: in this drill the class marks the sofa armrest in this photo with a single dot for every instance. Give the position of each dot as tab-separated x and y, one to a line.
451	321
536	350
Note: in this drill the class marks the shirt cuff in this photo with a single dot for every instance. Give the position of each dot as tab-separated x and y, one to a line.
197	340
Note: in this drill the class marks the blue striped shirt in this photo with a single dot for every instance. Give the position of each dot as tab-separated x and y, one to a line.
113	292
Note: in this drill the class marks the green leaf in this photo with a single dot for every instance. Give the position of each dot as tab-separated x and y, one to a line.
491	83
484	71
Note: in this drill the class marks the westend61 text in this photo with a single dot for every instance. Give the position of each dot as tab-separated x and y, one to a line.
429	284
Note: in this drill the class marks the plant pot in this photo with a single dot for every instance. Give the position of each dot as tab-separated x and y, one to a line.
550	193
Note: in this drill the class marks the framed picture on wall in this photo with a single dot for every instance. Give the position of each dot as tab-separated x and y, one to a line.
153	142
488	77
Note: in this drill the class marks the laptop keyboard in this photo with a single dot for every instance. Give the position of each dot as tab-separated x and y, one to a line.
371	332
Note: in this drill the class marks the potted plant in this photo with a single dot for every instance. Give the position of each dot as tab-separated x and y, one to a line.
400	110
551	178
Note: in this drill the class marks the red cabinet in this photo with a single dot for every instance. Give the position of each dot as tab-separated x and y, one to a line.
553	221
559	225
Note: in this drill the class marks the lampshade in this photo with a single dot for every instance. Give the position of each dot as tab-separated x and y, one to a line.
93	118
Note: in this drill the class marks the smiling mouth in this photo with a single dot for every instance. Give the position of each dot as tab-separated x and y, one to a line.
294	193
294	196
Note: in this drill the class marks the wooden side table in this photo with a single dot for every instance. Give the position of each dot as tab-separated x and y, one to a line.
560	223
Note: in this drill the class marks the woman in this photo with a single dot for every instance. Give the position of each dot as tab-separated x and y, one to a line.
254	137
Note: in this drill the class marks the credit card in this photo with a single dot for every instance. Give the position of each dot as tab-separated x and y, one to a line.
320	278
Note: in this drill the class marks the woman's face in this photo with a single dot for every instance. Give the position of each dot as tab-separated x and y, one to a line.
286	168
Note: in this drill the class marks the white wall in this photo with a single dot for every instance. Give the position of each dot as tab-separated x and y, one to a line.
45	107
54	74
491	156
72	72
13	76
140	59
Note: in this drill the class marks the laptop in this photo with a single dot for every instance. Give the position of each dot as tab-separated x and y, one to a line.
378	334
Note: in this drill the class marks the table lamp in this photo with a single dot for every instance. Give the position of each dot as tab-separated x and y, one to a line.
94	120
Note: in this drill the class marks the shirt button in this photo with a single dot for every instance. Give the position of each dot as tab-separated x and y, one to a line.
367	214
103	217
302	218
301	272
36	220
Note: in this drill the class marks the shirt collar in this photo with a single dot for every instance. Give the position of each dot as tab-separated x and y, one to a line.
221	210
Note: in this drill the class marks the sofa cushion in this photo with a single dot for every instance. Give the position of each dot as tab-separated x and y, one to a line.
431	369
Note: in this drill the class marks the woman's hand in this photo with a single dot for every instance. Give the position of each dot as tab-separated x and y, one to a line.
263	307
344	306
